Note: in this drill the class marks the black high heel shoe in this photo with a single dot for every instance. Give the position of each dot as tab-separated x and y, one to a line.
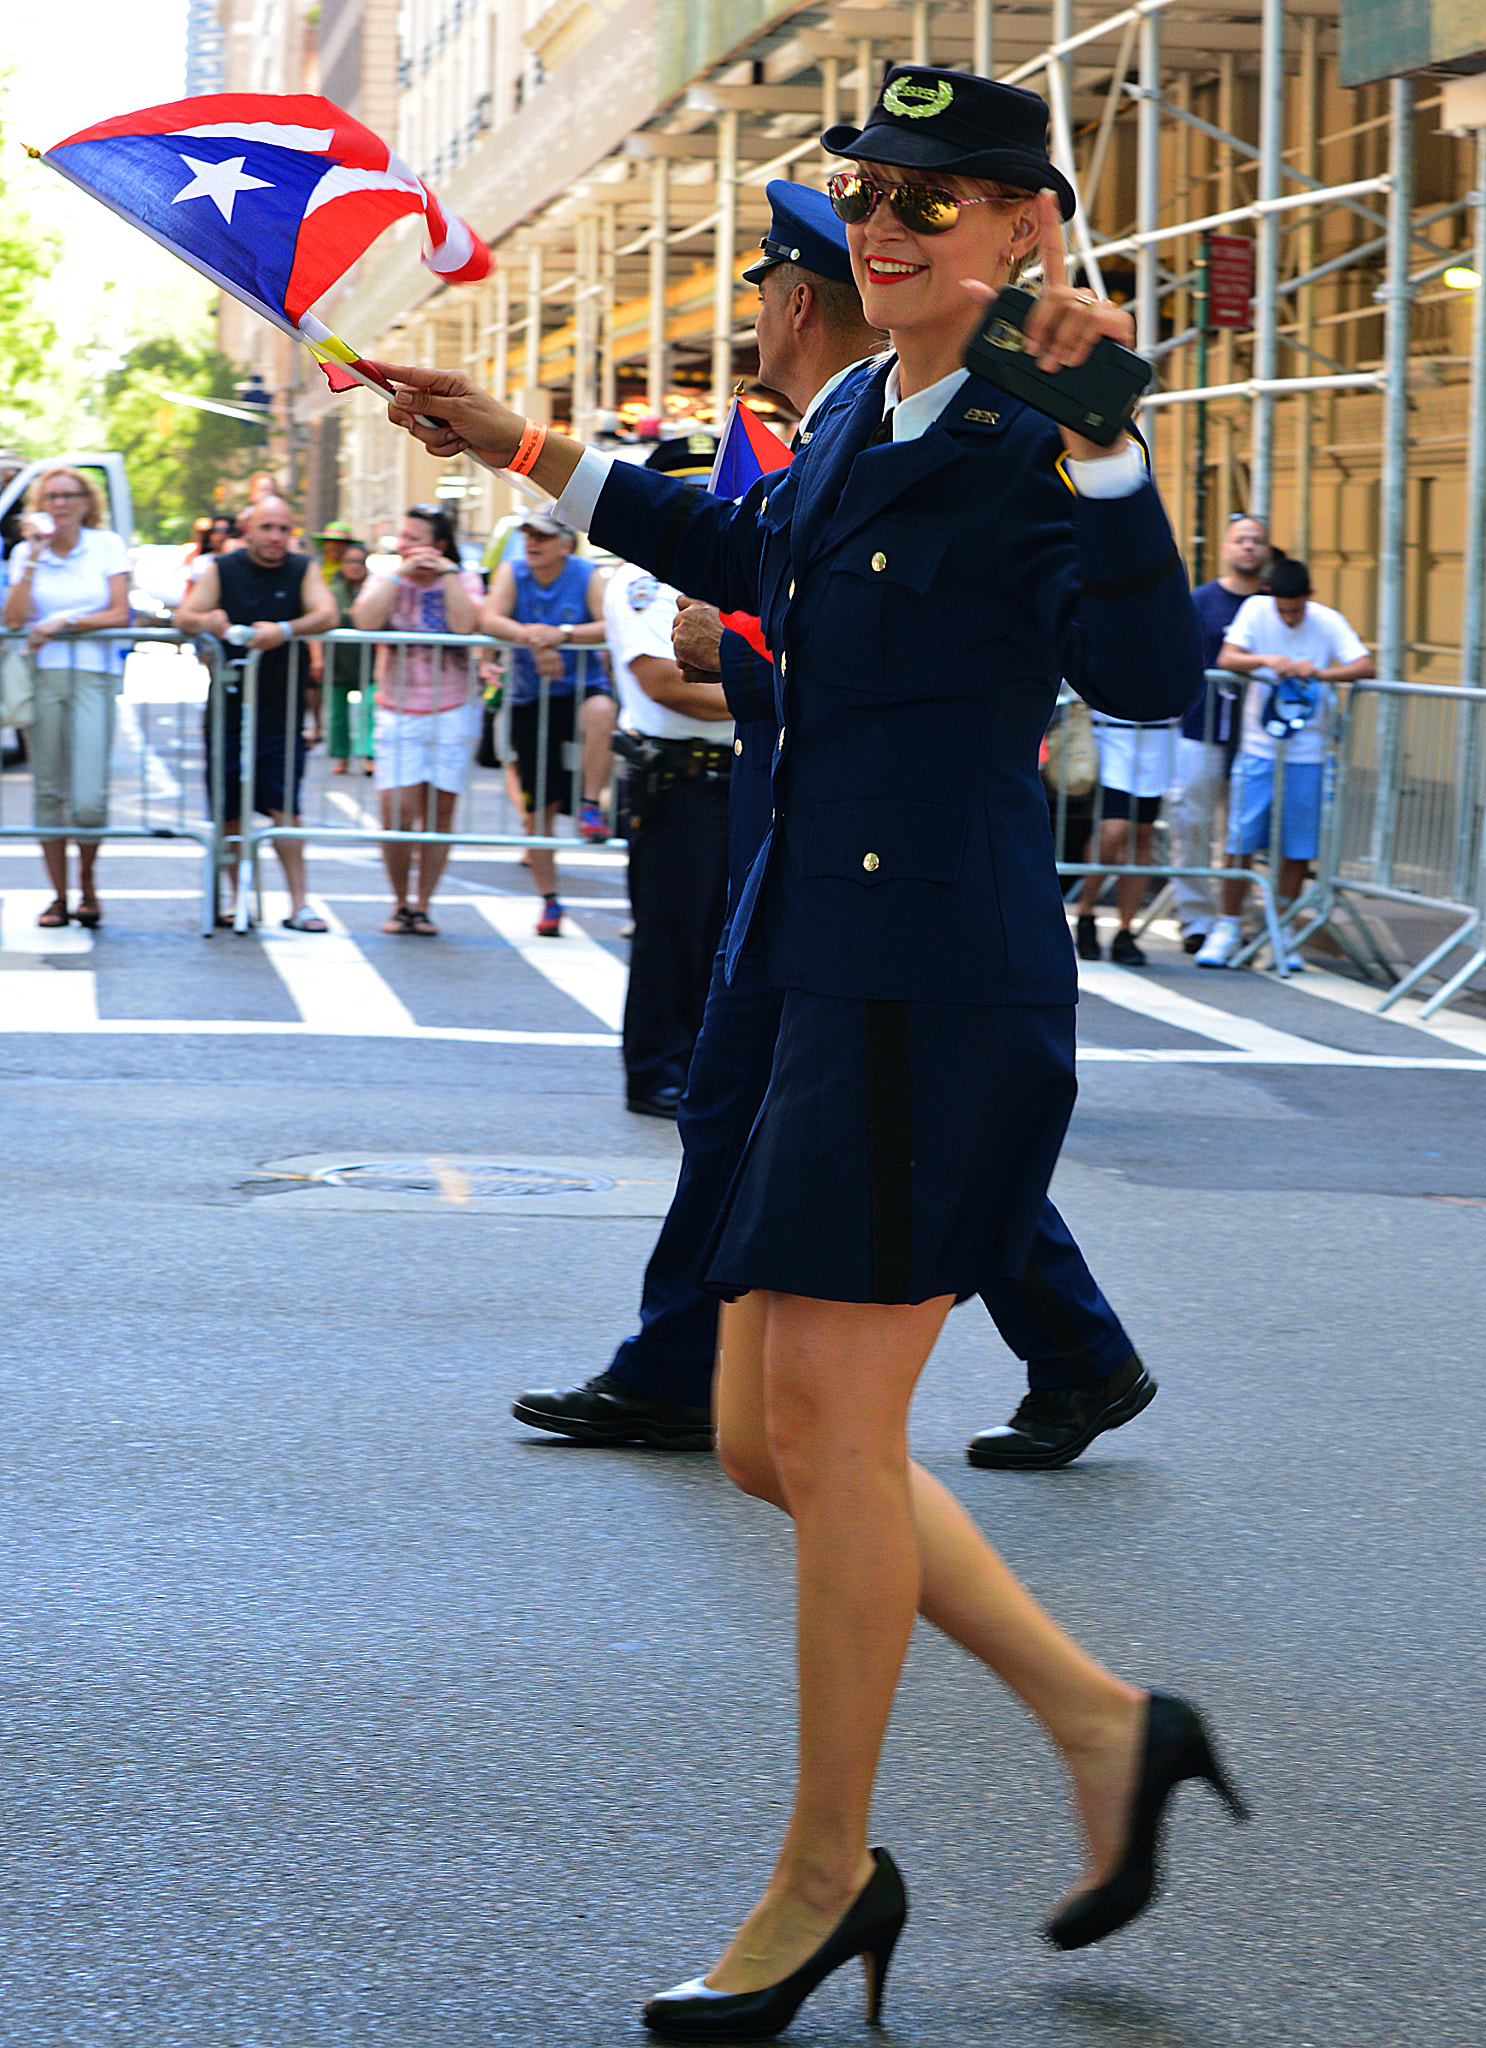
695	2012
1177	1746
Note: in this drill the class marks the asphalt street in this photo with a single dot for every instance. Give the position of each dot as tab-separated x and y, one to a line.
338	1708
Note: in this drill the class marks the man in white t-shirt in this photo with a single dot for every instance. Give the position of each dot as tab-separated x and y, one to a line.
1291	649
676	820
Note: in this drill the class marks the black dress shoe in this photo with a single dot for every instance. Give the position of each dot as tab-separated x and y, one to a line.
664	1102
695	2012
1054	1424
1088	939
605	1411
1123	950
1177	1746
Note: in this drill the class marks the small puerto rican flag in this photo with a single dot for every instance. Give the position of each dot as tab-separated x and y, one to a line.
272	196
746	451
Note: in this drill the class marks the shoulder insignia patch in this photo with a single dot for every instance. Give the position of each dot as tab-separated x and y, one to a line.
981	417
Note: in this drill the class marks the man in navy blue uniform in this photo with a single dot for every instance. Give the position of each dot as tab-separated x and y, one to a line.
1084	1375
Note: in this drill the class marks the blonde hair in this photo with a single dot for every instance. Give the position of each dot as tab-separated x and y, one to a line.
94	514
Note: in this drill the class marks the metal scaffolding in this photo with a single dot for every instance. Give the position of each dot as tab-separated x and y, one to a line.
1350	411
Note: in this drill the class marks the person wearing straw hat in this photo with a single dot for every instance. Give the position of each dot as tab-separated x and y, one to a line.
925	571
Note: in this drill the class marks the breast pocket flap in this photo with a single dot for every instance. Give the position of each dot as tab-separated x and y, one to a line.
872	843
901	553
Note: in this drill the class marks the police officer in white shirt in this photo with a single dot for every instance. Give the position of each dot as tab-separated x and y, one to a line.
676	734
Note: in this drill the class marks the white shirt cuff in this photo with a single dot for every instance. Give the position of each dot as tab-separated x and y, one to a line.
1108	476
576	505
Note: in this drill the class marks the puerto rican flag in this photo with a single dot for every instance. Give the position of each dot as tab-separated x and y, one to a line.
746	451
272	196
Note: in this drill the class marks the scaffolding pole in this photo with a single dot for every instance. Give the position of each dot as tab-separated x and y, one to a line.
725	243
1397	296
1267	256
1473	619
1148	185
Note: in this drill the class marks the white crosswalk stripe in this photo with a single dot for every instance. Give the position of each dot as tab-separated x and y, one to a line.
335	988
575	963
338	991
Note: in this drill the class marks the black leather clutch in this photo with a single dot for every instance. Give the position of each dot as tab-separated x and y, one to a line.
1098	398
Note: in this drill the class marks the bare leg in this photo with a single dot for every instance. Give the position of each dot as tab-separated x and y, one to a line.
541	859
432	860
291	860
87	863
1129	889
596	724
1294	874
838	1378
964	1589
54	857
399	808
1088	895
1234	891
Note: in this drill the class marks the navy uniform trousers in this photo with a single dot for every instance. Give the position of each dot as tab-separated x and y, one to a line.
678	891
1054	1317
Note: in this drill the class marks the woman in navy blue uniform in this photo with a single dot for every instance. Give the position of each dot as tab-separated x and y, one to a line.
930	564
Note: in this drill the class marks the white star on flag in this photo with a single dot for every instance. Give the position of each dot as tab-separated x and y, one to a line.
220	183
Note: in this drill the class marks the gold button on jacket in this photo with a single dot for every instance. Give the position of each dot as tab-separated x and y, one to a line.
879	561
871	863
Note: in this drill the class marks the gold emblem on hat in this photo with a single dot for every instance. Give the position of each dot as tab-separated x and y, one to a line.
916	101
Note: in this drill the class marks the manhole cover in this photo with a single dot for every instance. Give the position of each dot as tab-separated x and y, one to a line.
460	1181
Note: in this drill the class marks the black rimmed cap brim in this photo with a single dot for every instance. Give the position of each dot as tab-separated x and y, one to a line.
889	144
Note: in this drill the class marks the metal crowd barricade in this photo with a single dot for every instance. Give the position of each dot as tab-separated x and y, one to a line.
163	733
1219	680
242	732
1407	827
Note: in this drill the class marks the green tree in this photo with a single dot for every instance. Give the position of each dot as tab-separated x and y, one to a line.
177	455
27	337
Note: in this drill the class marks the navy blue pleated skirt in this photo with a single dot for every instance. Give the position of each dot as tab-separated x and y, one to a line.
902	1152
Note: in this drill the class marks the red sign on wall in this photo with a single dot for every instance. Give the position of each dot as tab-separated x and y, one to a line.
1230	280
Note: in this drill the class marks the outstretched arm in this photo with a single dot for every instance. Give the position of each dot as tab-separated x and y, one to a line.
470	421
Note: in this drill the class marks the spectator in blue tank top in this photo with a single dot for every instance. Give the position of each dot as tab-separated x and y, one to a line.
550	609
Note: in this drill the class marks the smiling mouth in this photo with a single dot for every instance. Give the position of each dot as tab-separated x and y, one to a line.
888	271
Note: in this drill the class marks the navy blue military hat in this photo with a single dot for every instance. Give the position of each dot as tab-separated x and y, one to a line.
691	454
803	230
955	121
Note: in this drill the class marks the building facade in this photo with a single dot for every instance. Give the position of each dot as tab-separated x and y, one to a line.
615	158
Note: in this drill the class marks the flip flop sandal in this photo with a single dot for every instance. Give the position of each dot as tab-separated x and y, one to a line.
305	921
400	923
420	922
89	915
54	916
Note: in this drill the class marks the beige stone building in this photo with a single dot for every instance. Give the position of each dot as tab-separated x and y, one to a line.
614	153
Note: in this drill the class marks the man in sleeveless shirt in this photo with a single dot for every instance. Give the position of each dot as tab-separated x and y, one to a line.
550	608
280	596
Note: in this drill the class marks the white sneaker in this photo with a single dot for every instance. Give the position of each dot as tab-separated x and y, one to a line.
1221	943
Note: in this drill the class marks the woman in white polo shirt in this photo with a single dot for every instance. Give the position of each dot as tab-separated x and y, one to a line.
70	577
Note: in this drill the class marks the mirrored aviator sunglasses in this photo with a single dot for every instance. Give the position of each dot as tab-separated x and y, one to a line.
923	209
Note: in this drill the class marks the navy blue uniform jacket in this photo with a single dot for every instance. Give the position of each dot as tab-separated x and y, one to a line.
921	602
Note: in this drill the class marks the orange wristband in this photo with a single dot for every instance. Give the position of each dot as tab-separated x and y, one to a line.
528	449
